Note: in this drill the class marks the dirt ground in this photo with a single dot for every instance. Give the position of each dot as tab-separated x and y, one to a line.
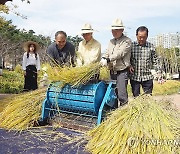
4	96
175	98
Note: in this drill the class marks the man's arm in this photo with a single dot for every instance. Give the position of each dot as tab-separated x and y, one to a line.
123	49
72	56
49	51
154	58
51	55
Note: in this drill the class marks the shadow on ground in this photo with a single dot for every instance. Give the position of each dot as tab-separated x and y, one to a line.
44	140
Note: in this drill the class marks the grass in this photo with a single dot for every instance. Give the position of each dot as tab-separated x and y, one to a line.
168	88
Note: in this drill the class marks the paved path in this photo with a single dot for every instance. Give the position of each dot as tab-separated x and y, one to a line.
4	96
44	140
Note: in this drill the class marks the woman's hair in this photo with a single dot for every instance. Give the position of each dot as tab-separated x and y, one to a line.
33	51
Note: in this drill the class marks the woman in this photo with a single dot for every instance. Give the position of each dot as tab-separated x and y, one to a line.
31	65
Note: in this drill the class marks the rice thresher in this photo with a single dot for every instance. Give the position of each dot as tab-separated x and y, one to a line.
90	100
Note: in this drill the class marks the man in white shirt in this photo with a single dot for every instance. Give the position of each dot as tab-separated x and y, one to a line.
117	57
89	50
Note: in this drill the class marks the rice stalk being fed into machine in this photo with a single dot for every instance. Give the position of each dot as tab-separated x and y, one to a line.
143	126
24	110
74	76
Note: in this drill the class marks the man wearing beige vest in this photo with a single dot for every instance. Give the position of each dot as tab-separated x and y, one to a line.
117	57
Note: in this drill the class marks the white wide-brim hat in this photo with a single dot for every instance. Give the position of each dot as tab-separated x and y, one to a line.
28	43
117	24
86	28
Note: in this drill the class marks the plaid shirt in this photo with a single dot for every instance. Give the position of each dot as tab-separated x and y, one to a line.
143	59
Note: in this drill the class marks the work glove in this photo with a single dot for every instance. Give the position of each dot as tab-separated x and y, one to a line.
103	62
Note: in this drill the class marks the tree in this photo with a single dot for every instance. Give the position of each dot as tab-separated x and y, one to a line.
75	41
11	40
4	1
169	59
6	9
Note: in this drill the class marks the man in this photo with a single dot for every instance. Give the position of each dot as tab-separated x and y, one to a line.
143	58
117	58
89	50
61	51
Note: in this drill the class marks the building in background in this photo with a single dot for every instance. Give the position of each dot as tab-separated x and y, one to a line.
168	40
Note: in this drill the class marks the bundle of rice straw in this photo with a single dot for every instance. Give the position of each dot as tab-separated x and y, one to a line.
104	73
141	127
75	76
23	110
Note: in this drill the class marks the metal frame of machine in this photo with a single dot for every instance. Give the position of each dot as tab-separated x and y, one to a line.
88	100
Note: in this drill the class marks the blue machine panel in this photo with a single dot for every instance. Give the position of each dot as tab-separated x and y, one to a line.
87	98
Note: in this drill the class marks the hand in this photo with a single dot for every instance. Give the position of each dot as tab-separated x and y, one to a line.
131	69
103	62
161	80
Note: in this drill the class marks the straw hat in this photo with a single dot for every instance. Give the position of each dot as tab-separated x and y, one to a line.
26	45
117	24
86	28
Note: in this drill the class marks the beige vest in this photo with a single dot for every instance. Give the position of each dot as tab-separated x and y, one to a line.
119	52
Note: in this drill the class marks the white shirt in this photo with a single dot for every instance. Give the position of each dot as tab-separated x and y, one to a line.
31	60
89	52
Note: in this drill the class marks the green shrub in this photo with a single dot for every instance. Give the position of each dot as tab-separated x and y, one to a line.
11	82
18	69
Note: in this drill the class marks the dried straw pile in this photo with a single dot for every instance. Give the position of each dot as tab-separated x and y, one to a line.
75	76
143	126
25	109
104	73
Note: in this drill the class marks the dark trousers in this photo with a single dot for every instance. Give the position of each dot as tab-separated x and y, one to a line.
30	82
121	84
147	87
